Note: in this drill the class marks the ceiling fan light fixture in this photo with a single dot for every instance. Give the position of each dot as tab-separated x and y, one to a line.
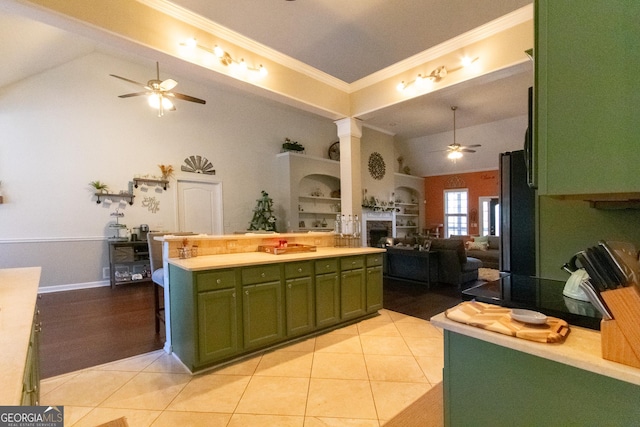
157	99
454	155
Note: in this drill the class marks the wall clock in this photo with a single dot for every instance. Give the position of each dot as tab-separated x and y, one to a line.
334	151
377	167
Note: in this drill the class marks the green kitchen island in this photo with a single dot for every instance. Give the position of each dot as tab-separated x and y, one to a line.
229	305
492	379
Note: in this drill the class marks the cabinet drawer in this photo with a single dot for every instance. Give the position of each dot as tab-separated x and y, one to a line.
293	270
219	279
373	260
260	274
351	262
326	266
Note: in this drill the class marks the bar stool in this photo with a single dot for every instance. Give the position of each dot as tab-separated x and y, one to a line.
157	272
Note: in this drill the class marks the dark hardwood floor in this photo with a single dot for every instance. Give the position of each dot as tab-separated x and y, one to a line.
90	327
414	299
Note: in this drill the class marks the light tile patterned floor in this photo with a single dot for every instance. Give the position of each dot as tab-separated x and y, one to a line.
360	375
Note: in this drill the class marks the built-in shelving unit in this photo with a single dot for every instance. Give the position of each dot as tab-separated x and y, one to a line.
317	212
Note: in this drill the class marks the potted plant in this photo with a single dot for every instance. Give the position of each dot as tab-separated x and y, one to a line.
290	145
100	187
167	171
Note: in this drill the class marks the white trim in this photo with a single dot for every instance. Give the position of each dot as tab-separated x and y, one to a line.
496	26
505	22
73	287
54	239
244	42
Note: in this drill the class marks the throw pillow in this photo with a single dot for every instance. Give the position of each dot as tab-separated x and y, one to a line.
482	246
481	239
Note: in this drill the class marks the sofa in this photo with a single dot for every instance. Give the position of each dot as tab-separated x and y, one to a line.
484	248
454	265
437	260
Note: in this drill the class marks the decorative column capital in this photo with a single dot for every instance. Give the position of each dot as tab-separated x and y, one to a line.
349	127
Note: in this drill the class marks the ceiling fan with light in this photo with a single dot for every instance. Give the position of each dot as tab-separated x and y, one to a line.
454	149
159	92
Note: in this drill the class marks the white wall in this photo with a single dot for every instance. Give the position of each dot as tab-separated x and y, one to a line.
495	137
66	127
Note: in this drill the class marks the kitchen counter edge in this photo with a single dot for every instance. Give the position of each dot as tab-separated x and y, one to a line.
19	291
581	349
209	262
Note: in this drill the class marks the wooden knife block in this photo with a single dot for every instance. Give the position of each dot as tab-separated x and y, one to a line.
621	336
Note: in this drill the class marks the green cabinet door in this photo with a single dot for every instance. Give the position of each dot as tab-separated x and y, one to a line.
327	299
262	314
299	303
374	288
587	95
217	325
353	293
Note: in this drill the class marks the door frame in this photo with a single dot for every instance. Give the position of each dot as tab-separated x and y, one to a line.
482	199
204	178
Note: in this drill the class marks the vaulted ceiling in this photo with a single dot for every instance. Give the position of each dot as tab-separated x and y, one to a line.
347	40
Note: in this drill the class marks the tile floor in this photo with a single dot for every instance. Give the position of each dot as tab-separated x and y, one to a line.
360	375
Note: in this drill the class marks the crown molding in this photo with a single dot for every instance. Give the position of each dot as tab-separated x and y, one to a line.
496	26
503	23
244	42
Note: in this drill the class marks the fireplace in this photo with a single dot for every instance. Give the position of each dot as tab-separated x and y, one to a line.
376	230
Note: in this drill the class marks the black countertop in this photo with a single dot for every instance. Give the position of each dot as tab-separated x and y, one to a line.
543	295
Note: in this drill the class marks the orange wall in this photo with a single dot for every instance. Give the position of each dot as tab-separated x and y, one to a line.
479	184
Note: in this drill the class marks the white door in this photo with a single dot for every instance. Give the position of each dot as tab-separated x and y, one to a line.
199	205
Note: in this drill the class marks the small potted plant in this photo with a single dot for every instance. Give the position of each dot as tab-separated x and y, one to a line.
290	145
167	171
99	187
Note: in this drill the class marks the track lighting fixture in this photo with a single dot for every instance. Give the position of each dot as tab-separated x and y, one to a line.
422	81
226	59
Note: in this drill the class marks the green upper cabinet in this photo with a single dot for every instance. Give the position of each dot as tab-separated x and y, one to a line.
587	95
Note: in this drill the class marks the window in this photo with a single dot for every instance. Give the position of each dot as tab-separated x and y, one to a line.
455	212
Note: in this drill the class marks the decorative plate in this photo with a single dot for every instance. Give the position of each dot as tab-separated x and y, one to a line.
334	151
377	167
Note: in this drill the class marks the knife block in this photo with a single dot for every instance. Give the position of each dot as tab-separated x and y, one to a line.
621	335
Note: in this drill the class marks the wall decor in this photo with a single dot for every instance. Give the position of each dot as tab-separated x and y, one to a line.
152	204
377	168
455	181
334	151
198	164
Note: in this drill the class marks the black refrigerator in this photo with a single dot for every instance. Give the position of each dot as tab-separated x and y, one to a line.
517	216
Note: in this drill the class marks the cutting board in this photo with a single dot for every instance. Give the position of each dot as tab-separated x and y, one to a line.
498	319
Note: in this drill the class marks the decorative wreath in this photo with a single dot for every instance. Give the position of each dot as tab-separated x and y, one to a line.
377	167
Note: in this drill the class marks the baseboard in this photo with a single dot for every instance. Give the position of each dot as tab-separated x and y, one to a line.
73	287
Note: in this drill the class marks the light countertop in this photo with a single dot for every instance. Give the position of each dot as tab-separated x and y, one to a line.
581	348
18	294
209	262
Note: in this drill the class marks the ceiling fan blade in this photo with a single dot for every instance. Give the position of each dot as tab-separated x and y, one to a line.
186	97
131	81
129	95
168	84
472	146
466	150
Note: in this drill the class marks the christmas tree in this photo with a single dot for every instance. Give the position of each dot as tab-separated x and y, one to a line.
263	218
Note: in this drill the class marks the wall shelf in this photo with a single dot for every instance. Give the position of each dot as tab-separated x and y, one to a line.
124	196
162	182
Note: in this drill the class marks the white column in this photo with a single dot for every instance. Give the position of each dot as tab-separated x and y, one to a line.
350	132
